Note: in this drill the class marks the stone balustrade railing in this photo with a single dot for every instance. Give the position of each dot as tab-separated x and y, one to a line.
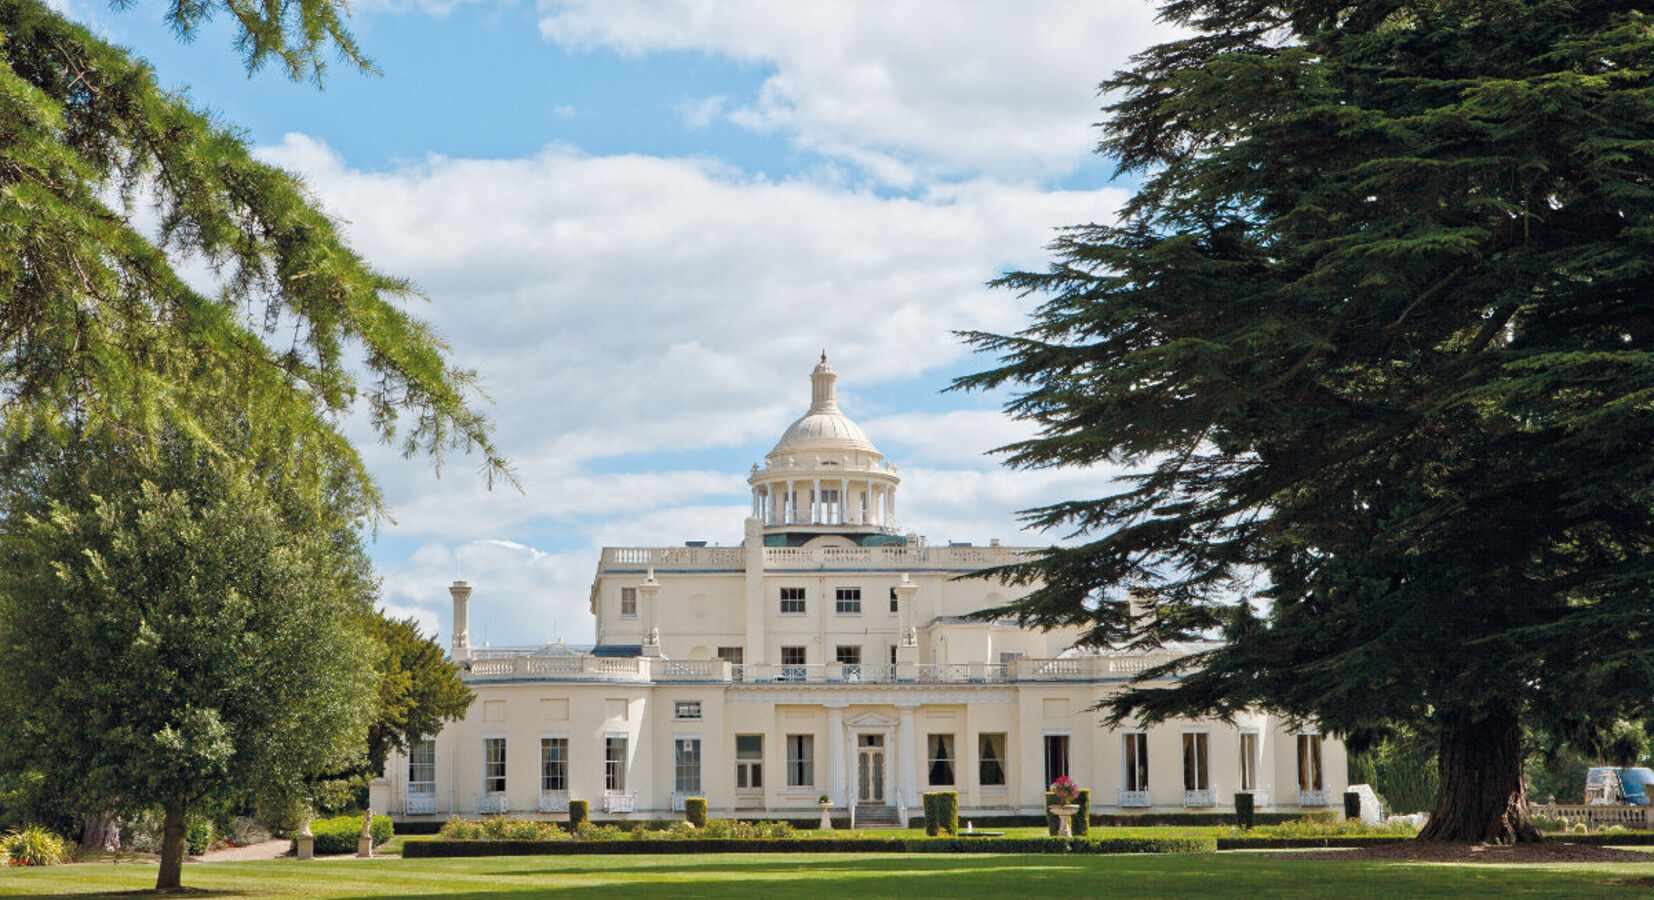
655	669
1597	815
734	558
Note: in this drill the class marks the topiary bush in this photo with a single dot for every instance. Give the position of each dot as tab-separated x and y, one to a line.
1244	810
33	846
579	813
947	812
1050	817
1082	819
1352	805
933	821
339	834
694	811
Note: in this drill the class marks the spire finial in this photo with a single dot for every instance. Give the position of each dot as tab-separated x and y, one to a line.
824	354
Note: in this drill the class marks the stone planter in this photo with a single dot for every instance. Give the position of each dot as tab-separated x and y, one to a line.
826	816
1065	817
304	843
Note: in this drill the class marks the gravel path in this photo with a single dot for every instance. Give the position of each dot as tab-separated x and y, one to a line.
271	849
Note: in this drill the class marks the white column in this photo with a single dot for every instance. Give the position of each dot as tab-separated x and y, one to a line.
816	506
755	502
873	503
907	770
844	501
789	508
891	495
835	756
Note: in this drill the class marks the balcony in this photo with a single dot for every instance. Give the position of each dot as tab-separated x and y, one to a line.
614	802
554	801
645	669
734	559
491	804
1197	799
1138	799
419	804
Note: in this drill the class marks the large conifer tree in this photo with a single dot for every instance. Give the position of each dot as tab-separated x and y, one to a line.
1377	329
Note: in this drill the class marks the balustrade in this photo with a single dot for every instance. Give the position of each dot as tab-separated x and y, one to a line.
491	804
619	803
639	668
1135	798
554	801
419	805
1312	798
1206	797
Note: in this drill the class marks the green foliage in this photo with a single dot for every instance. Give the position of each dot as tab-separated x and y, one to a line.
1352	805
800	843
694	810
1382	284
1324	826
1081	822
1405	765
1244	810
419	689
341	833
199	835
579	813
933	817
1362	769
33	846
946	805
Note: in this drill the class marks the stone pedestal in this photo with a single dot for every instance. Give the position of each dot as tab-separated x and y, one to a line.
826	817
1065	818
304	843
364	847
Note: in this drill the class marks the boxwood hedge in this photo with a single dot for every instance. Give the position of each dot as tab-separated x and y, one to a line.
421	848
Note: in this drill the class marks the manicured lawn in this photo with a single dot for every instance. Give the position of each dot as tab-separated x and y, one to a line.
801	876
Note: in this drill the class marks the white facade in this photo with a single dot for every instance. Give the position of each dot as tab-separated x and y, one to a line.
828	654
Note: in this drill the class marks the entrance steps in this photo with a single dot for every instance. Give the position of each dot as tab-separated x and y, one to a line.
868	816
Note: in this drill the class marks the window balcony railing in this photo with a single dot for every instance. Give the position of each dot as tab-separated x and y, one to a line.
1312	798
619	803
1207	797
491	804
419	804
554	801
791	673
1135	798
679	796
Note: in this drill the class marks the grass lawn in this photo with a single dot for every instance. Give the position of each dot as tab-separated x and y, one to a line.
801	876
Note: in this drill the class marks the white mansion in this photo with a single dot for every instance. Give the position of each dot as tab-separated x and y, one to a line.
828	654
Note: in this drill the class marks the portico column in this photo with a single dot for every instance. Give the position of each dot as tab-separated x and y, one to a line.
891	495
835	755
755	502
844	501
790	508
907	771
816	506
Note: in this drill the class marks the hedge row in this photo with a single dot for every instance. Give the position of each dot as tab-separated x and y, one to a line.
1340	842
1606	838
441	848
340	833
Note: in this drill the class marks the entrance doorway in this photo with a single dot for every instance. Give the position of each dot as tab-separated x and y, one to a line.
870	769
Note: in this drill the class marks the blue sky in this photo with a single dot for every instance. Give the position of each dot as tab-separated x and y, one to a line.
641	222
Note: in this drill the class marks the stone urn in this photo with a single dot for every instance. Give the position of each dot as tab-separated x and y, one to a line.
826	815
304	843
1065	817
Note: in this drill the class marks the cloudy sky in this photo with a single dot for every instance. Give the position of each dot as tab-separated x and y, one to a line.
641	222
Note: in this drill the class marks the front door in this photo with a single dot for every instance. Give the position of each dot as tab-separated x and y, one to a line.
870	769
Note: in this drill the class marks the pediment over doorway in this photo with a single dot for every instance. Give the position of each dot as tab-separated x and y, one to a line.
871	718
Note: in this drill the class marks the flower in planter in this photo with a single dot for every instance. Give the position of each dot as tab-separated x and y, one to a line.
1064	791
824	799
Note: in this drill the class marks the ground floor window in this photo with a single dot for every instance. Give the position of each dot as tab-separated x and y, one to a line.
493	765
1249	761
990	756
801	755
1309	763
749	761
1197	774
687	766
422	768
554	764
1137	761
614	764
941	759
1056	757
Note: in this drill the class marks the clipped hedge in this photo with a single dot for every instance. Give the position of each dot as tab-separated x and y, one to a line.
1245	810
1606	838
422	848
1352	805
694	811
1080	822
339	834
933	822
579	813
1337	842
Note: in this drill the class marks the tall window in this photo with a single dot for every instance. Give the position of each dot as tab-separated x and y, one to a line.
990	760
1137	761
892	654
1197	775
1249	761
941	759
554	764
893	606
792	664
493	765
801	760
628	601
422	768
847	601
735	655
830	511
687	766
1309	763
1056	757
749	761
614	764
850	656
792	601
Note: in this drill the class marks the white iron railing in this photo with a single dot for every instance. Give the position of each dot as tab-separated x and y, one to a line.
619	803
491	804
554	801
679	796
1312	798
1206	797
1135	798
419	805
645	669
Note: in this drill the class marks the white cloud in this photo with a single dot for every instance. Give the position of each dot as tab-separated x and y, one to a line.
901	86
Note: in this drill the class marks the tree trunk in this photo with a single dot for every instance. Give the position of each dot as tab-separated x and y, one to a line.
170	878
100	832
1481	798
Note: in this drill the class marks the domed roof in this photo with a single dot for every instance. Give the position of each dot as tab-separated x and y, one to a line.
823	428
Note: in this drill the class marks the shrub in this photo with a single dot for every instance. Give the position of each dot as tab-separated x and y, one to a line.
947	812
694	810
579	813
1082	819
1544	823
339	834
198	835
33	846
1352	805
1244	810
1322	827
933	821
